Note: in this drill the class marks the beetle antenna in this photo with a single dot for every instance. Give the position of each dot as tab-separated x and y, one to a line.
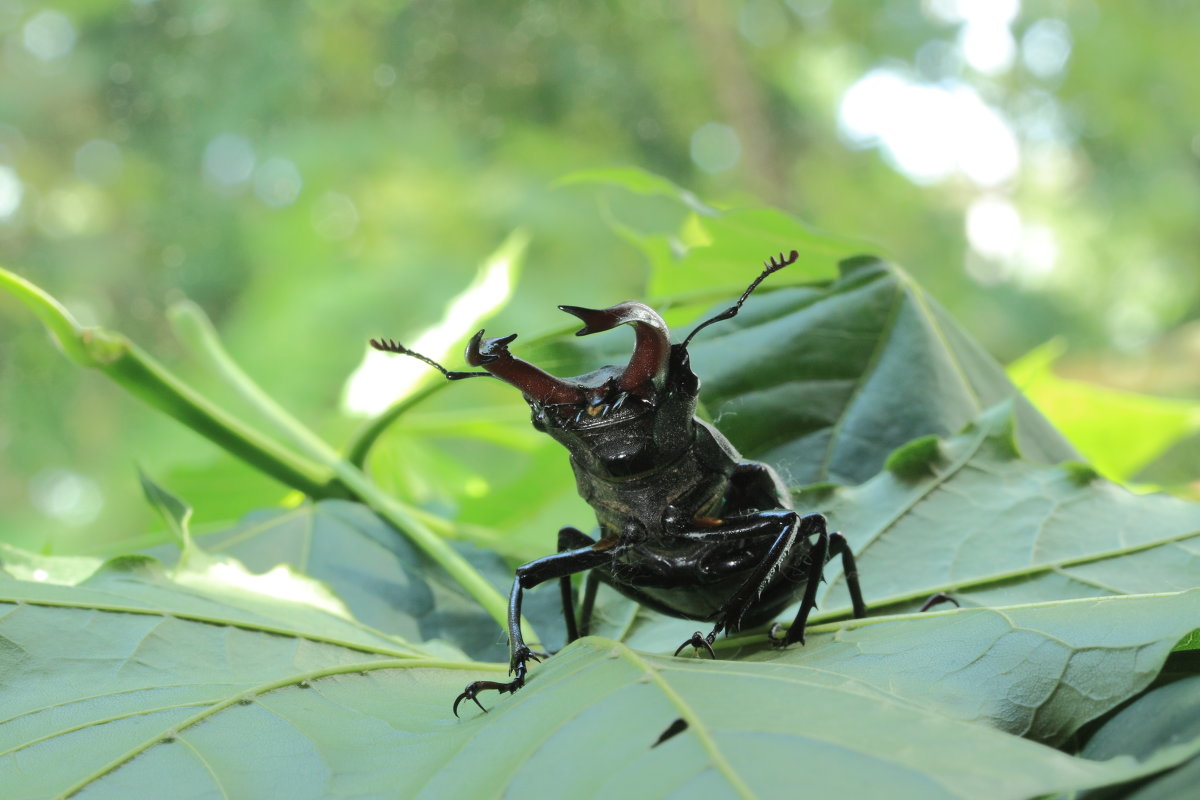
392	346
772	265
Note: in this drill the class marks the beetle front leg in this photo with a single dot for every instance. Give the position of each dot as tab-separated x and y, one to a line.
518	655
529	575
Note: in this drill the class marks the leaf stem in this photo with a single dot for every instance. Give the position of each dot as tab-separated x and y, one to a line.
360	446
194	327
696	724
144	378
140	375
320	473
66	331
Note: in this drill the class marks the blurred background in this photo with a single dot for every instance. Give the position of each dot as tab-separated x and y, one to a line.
314	173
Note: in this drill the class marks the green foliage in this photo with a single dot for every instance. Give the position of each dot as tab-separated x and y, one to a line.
384	580
313	648
302	707
1166	716
915	458
882	364
1122	433
314	651
992	528
706	252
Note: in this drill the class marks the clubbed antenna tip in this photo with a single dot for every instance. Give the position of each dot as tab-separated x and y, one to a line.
392	346
773	264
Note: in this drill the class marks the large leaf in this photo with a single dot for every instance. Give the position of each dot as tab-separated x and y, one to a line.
382	578
825	382
1162	718
1048	667
220	593
388	584
158	701
970	516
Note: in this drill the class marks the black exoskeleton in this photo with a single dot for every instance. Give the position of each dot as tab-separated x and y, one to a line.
687	526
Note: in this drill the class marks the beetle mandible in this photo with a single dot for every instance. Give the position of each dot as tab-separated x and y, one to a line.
687	526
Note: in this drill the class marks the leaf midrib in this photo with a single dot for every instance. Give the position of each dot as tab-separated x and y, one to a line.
255	692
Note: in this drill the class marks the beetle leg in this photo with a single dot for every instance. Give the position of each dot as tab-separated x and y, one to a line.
529	575
815	570
838	546
835	545
699	640
938	599
730	616
590	584
569	538
825	546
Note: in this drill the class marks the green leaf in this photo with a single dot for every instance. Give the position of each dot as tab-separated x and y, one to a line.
1165	716
1177	467
1119	432
221	593
1077	658
991	528
99	680
173	510
1158	720
638	181
148	699
385	581
824	383
710	249
66	570
721	249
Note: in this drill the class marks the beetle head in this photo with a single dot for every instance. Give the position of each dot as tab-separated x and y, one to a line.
617	420
603	397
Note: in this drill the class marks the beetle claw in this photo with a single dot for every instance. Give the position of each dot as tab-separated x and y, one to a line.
473	689
470	693
699	641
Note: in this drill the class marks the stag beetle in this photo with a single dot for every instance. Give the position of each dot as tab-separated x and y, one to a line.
687	526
